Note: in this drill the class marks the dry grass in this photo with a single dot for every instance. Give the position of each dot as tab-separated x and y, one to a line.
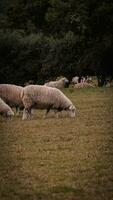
60	159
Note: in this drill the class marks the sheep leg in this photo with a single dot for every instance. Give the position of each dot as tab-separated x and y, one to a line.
27	108
56	113
47	111
17	111
26	113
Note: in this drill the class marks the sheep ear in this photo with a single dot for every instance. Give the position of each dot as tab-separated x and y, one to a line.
70	107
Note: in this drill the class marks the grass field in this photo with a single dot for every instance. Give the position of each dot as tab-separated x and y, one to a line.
60	159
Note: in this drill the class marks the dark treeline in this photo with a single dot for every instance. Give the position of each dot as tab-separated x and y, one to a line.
43	39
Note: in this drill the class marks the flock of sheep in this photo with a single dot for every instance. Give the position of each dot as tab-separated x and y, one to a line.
47	96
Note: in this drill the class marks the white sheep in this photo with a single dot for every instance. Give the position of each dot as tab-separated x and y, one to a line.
5	110
11	94
75	80
83	85
61	83
44	97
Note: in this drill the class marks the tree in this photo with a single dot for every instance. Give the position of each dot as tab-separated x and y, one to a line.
47	38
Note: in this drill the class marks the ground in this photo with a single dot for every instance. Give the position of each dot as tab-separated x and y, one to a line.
60	159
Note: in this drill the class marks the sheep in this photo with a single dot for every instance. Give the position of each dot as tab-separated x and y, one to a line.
75	80
11	94
30	82
83	85
89	79
44	97
61	83
5	110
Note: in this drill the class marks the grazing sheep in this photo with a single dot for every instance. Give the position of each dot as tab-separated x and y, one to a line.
11	94
44	97
89	79
83	85
5	110
82	79
75	80
30	82
61	83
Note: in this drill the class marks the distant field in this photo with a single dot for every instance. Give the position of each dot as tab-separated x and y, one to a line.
60	159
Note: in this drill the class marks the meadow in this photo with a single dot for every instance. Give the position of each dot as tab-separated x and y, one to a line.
60	159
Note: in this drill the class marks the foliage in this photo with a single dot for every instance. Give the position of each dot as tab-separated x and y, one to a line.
48	38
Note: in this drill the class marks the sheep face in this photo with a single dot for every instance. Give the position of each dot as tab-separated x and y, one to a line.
10	113
66	82
72	111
